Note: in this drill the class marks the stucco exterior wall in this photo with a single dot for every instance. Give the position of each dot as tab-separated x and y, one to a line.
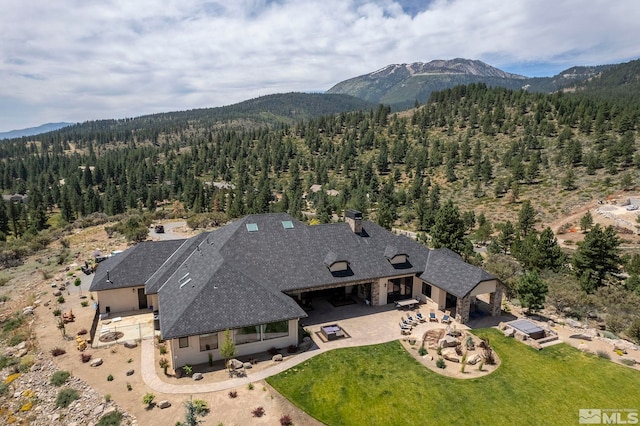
439	296
484	288
118	300
192	354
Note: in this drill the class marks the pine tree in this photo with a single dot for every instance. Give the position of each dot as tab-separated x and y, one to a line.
526	218
532	291
597	257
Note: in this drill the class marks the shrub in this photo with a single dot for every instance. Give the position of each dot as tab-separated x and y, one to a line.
59	377
84	303
57	312
163	349
233	394
292	349
201	407
160	339
250	386
480	366
82	332
210	359
17	338
58	351
110	378
603	354
66	397
85	358
112	419
129	386
188	370
60	299
130	360
107	397
4	388
164	364
422	351
627	361
12	323
148	398
439	350
440	363
286	421
258	412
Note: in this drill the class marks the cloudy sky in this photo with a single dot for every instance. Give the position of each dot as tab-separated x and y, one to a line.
77	60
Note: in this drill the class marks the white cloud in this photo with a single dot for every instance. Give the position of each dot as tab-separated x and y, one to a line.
75	60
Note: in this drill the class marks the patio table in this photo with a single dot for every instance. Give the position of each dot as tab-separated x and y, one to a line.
406	303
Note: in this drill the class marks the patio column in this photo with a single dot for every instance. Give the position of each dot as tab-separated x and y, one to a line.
495	301
463	306
375	293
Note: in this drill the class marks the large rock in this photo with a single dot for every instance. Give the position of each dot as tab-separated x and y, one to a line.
164	404
197	376
234	364
96	362
583	347
277	357
521	336
474	359
580	336
448	342
573	323
450	355
130	372
509	332
130	344
247	365
591	332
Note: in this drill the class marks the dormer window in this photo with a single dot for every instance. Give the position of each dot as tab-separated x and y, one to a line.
395	257
337	264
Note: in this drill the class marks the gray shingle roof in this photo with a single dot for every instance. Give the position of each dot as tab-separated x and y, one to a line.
234	277
447	270
133	266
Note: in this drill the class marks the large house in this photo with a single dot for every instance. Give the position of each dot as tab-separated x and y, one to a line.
254	276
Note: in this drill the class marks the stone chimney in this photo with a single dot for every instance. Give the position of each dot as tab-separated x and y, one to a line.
354	219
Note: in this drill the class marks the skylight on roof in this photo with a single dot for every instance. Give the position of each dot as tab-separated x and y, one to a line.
252	227
287	224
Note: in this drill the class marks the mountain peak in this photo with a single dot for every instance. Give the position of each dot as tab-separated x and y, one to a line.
457	66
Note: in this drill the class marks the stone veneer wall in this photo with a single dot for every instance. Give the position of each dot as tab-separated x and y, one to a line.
463	305
495	300
375	293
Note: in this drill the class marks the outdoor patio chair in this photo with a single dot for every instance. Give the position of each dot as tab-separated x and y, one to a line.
405	322
412	320
404	327
433	317
404	330
447	317
420	317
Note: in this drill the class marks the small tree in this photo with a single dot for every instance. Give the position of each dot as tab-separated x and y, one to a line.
78	282
61	327
228	348
164	364
532	291
586	222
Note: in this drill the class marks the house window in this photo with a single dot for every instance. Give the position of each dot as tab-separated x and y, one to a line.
183	342
275	330
208	342
247	334
426	290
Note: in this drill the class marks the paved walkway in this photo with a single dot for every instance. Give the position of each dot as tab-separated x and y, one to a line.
365	325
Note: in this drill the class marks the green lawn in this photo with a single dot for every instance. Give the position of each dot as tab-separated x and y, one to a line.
384	385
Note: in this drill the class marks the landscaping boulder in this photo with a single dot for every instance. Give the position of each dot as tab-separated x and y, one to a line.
474	359
592	332
502	326
96	362
130	344
583	347
450	355
509	332
277	357
130	372
234	364
448	342
580	336
197	376
247	365
57	293
521	336
164	404
534	344
573	323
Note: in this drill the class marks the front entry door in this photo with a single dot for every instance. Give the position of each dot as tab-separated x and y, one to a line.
142	299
